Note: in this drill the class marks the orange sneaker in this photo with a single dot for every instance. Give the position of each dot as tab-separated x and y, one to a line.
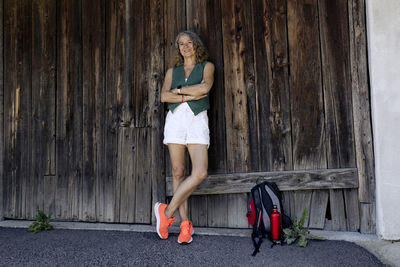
162	221
186	232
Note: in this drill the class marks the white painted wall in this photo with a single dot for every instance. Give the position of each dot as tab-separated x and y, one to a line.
383	31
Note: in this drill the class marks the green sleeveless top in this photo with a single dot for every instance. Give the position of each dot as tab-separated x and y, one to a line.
195	77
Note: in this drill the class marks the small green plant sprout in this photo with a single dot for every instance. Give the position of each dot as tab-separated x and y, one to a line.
299	232
42	223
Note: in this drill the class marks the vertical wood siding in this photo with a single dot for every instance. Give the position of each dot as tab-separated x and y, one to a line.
69	101
362	114
17	105
93	87
83	122
156	108
1	114
44	45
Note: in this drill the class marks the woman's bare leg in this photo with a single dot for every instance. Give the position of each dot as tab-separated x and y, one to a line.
177	155
199	157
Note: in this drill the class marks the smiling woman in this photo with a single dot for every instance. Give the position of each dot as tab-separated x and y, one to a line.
186	87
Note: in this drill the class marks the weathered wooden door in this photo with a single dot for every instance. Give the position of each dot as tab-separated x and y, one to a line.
82	116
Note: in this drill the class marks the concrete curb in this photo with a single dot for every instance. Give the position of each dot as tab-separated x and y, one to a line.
126	227
330	235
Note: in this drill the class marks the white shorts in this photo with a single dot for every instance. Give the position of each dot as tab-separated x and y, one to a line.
183	127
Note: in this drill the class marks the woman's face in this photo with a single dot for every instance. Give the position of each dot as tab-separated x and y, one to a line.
186	46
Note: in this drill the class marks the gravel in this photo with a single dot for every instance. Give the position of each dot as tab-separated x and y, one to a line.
18	247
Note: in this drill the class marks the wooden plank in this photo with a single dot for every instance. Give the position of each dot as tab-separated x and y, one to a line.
240	95
204	18
336	83
237	209
338	106
292	207
24	132
69	110
2	151
286	202
272	83
125	35
133	111
143	113
306	94
328	225
141	23
115	53
143	175
156	69
97	73
43	80
337	97
302	199
337	207
17	105
10	85
217	212
367	218
157	108
43	99
361	102
158	173
126	172
319	202
241	120
198	210
352	209
93	47
49	194
174	11
286	180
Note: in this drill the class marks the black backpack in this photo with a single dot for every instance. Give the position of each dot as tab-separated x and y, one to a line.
262	199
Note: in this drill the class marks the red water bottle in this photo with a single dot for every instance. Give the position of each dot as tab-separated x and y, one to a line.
275	224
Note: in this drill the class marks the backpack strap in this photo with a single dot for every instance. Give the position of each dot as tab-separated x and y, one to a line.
256	244
258	226
257	233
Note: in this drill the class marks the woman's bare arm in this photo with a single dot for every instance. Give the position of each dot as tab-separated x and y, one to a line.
169	97
202	88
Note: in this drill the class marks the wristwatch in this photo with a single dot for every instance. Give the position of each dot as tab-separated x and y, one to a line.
179	89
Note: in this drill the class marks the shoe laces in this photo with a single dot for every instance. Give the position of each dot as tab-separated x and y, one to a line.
171	221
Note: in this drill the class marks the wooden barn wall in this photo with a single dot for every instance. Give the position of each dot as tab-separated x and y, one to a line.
83	123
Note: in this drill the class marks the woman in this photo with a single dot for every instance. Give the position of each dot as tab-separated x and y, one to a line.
185	89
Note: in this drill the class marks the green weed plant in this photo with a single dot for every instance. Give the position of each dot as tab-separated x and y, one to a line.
41	223
299	232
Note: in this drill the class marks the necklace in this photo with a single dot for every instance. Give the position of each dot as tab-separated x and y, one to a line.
186	78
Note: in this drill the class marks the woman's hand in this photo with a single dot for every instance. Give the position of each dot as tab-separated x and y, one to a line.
174	91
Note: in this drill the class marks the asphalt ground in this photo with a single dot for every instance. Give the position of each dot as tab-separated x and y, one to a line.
58	247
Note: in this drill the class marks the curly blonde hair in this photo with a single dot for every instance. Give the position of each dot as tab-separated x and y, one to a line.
200	49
